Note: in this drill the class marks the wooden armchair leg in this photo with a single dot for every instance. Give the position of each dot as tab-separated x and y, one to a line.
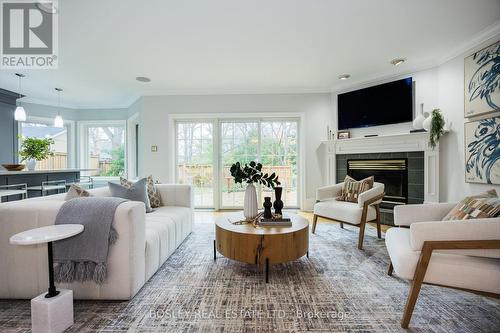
379	231
416	284
315	221
361	235
410	303
390	270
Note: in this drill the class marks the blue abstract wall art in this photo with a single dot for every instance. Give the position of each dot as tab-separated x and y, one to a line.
482	76
482	151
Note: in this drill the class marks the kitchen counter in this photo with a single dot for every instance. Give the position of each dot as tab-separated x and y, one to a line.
36	177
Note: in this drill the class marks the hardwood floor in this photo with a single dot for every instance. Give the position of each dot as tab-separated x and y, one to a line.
208	216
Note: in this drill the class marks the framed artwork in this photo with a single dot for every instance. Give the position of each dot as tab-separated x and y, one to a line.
343	135
481	81
482	151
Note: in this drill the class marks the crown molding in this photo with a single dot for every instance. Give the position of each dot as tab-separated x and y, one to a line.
221	92
478	39
381	77
74	107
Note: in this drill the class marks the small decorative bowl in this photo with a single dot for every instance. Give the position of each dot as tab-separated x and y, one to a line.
13	167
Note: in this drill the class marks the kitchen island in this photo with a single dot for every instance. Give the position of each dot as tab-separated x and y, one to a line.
36	177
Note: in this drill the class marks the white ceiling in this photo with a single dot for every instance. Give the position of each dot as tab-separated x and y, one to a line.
235	46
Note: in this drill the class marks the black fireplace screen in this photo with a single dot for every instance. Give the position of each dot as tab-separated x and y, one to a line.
393	173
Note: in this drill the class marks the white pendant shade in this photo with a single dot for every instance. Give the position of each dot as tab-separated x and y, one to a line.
58	121
20	114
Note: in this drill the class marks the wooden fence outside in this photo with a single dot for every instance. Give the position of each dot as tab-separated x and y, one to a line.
60	161
202	175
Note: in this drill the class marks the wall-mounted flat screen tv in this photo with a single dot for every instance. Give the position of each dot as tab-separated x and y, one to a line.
388	103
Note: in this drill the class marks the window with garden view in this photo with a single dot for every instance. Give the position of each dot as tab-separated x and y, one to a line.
59	159
106	150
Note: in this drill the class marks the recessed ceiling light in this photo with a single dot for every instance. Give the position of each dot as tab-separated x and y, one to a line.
143	79
344	77
397	61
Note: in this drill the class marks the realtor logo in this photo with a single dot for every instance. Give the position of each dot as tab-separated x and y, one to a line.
29	34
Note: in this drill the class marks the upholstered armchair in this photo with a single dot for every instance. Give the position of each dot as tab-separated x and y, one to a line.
458	254
367	209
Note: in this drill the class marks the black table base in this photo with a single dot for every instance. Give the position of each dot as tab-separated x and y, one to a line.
52	288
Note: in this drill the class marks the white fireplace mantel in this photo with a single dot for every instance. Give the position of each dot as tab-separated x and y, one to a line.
389	144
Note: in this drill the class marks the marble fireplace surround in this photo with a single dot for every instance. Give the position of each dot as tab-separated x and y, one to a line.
398	143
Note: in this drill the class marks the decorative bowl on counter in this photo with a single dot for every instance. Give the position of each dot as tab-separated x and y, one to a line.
13	167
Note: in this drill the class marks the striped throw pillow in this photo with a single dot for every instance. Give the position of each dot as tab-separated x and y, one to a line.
480	206
353	188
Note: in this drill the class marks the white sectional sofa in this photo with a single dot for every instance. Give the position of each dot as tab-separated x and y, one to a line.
145	241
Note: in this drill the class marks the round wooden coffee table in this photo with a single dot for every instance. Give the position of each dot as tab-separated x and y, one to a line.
261	245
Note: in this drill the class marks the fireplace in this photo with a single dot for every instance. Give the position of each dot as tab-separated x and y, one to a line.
393	173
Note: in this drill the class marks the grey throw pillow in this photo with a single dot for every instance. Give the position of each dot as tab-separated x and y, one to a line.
136	192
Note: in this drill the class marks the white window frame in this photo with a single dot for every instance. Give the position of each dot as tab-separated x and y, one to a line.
71	135
299	117
83	155
130	143
215	131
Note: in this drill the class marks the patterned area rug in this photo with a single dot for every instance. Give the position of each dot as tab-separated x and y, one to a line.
338	289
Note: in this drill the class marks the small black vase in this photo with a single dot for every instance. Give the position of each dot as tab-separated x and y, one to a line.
267	208
278	204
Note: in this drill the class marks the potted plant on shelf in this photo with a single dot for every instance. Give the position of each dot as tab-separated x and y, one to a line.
251	174
435	126
35	149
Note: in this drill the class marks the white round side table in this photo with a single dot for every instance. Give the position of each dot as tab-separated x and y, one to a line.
51	311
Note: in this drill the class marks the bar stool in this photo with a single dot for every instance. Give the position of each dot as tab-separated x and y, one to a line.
51	185
84	181
14	189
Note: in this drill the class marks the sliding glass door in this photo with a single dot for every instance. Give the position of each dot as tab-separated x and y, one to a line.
195	160
205	151
239	143
279	154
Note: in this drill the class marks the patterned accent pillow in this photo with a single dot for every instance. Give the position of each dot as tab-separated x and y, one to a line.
353	188
76	191
484	205
153	195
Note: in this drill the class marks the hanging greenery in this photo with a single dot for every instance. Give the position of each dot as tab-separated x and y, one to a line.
252	173
437	128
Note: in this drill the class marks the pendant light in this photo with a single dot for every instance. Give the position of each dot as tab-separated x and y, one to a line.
20	114
58	121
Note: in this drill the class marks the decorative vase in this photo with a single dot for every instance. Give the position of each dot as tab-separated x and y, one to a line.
250	209
427	123
267	208
278	204
31	164
419	119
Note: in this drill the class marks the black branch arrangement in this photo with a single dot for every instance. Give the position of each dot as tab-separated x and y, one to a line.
252	173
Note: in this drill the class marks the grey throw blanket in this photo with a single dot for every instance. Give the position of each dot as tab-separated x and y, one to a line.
83	257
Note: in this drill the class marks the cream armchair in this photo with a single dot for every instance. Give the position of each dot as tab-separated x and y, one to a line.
367	208
457	254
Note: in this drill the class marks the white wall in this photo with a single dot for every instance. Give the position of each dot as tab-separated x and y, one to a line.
155	122
47	111
451	101
440	87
